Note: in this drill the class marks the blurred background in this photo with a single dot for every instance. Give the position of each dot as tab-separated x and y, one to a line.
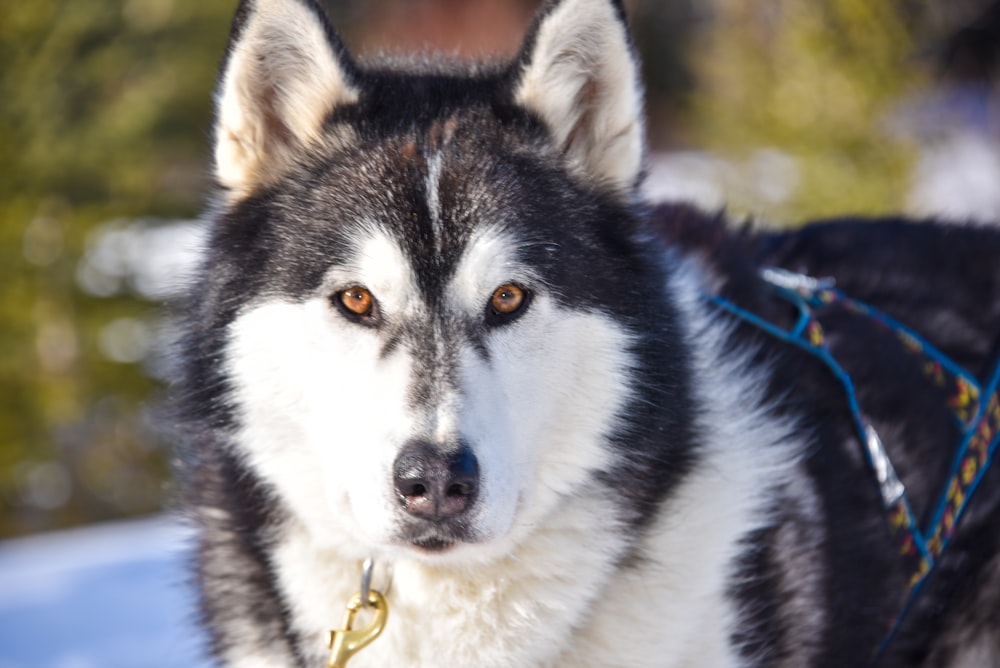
781	109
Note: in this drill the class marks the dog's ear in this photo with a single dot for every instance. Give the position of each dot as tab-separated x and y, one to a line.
285	71
578	73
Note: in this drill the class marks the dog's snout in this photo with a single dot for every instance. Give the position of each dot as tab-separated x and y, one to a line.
434	485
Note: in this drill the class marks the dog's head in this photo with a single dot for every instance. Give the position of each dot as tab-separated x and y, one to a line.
422	279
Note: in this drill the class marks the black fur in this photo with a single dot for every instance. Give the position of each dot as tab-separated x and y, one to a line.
941	281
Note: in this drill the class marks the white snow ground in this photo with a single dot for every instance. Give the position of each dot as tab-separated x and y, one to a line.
109	596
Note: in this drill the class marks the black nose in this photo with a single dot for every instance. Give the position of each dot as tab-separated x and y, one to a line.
434	485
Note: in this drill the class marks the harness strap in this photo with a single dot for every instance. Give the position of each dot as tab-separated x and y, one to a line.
975	409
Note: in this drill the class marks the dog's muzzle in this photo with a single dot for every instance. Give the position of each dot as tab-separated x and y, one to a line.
433	486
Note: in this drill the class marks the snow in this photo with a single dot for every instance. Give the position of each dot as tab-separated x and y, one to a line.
958	178
111	596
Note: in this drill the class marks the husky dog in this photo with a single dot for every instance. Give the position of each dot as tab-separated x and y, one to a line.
436	327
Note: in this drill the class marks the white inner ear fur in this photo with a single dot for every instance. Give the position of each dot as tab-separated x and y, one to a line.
281	81
582	80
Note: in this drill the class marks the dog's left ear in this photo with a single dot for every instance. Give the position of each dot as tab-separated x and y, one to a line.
578	73
285	71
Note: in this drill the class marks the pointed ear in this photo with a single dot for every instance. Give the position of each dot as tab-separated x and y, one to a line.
578	73
285	72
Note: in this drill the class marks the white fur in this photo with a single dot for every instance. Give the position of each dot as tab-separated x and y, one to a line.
281	81
544	398
675	610
535	414
582	80
324	410
322	440
433	185
543	587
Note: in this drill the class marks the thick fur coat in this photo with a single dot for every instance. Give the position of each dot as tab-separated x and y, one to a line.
435	326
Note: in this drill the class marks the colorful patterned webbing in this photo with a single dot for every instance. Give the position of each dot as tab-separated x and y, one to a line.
976	409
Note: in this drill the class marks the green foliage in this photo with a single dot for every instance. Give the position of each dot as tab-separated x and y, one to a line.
818	80
104	112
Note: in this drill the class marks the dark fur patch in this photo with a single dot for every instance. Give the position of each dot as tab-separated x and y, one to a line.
939	280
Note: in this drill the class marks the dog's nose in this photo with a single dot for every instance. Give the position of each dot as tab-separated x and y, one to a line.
434	485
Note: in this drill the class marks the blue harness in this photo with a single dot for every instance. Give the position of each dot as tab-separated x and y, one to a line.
975	408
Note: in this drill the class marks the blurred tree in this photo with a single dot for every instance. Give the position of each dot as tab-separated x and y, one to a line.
104	115
822	81
818	80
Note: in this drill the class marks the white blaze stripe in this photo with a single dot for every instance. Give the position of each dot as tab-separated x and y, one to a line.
434	197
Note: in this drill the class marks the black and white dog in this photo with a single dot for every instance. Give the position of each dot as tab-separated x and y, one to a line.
436	327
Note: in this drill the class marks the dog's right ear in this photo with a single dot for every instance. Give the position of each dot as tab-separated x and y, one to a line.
285	71
578	73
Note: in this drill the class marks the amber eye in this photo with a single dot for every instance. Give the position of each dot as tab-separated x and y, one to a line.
507	301
356	302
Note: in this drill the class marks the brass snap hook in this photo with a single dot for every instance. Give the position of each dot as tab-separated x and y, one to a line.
344	643
348	641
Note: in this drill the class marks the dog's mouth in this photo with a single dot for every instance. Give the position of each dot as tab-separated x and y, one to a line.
432	544
434	537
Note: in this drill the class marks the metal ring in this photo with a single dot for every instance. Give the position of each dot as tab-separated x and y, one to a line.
367	569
